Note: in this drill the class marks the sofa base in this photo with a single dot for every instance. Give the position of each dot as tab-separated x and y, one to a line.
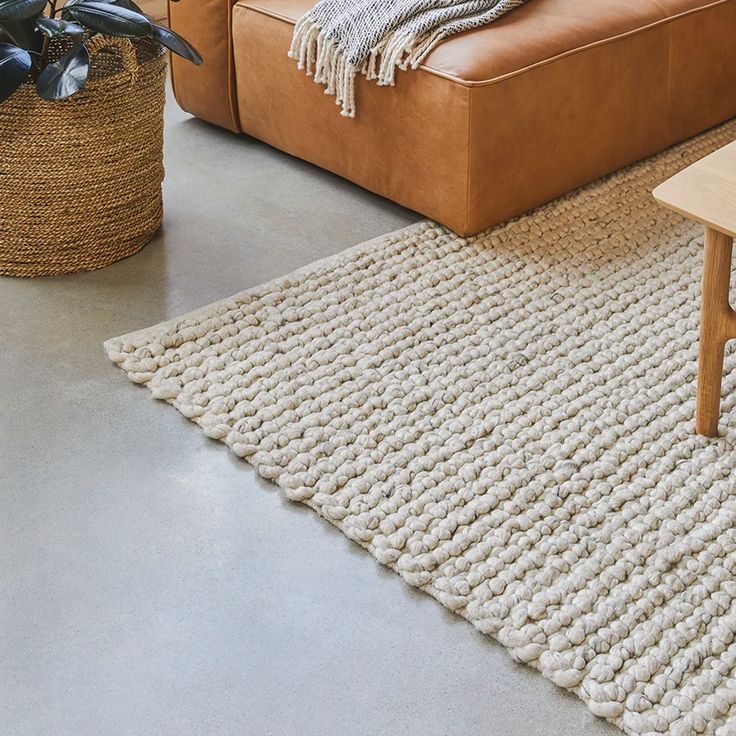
485	129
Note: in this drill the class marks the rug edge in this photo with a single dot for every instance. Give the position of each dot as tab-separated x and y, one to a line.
112	346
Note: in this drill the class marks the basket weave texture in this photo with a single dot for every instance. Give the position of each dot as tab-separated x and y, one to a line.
80	179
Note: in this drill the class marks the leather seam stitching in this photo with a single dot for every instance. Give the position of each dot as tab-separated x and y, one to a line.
669	82
468	160
536	64
231	70
171	66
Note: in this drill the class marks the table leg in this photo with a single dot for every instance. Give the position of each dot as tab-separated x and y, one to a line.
717	322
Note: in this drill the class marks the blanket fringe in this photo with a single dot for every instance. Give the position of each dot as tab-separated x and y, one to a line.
322	58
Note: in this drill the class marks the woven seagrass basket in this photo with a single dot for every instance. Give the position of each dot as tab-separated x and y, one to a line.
80	179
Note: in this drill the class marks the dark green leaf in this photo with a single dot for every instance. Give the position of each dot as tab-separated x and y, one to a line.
110	19
64	77
57	27
15	63
20	9
127	4
176	43
21	33
65	10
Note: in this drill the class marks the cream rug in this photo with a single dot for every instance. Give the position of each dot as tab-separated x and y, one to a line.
507	422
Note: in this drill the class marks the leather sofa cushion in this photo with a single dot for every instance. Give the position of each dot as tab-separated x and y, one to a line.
536	33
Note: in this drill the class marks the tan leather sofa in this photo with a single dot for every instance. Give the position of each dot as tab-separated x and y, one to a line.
497	120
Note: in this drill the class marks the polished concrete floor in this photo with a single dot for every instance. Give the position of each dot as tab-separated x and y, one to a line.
150	583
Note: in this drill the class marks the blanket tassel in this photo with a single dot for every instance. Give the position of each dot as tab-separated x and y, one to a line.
320	57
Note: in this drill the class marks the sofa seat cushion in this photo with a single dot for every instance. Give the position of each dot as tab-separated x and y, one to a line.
535	33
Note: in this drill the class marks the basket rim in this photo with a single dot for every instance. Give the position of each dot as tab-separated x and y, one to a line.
93	83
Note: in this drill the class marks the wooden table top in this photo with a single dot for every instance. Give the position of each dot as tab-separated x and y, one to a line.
706	191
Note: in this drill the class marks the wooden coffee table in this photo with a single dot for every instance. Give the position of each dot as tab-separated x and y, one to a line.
706	192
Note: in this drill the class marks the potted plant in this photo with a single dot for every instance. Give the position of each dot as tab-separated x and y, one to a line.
82	88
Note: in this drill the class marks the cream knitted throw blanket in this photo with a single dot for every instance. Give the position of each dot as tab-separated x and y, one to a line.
337	39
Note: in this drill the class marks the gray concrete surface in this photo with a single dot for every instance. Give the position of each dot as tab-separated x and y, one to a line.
150	583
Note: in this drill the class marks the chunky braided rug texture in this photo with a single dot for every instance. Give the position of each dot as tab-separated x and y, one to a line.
507	422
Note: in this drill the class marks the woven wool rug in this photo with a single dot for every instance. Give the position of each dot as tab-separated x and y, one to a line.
507	422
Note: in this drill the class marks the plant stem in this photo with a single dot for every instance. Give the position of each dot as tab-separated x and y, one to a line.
46	39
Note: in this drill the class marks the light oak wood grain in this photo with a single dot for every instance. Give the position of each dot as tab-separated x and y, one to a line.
717	325
706	192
